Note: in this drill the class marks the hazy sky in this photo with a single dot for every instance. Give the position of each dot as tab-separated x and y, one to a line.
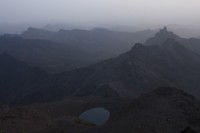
116	12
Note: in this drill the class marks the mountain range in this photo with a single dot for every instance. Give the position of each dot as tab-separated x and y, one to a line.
139	70
68	49
101	43
138	87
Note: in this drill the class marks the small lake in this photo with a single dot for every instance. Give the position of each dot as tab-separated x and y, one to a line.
97	116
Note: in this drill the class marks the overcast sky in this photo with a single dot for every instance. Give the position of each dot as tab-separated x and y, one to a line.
94	12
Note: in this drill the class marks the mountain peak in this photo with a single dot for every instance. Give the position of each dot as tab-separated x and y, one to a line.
161	37
164	29
165	32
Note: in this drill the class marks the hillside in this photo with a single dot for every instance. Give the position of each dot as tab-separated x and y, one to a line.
165	109
18	80
140	70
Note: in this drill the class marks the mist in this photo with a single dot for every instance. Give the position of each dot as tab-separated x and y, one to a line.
139	13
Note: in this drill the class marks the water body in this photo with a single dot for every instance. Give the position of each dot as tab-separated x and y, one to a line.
97	116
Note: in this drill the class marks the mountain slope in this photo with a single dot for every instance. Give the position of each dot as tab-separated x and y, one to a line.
140	70
165	109
137	71
18	79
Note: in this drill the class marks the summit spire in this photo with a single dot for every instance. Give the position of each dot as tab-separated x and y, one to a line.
164	29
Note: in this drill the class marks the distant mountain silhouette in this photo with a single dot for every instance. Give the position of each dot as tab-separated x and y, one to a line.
51	56
184	31
99	42
12	28
160	37
34	33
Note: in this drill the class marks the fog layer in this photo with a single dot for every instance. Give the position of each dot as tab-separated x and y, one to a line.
101	12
